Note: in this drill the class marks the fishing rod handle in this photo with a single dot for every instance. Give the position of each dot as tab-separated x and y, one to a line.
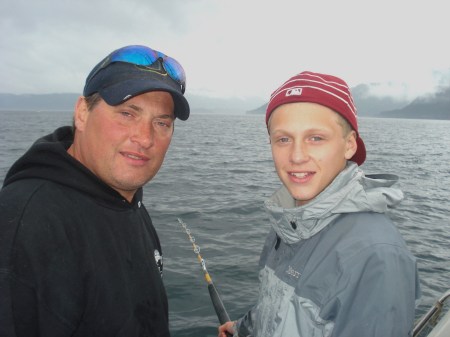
218	305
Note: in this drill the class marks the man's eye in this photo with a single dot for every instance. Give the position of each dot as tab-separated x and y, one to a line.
125	114
163	123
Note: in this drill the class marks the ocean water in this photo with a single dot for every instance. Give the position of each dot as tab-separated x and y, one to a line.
216	176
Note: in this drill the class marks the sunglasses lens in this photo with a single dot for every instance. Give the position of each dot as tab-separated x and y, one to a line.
138	55
174	70
144	56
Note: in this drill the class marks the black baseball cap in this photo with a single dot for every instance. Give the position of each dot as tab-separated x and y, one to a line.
134	70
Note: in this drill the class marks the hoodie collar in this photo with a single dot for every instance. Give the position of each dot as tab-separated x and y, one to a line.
48	159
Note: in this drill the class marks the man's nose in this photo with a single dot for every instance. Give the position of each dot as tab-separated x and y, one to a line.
143	134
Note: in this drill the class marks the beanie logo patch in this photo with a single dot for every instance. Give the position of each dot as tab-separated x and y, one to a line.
294	92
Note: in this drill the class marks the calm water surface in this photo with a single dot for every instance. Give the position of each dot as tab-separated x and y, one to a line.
216	176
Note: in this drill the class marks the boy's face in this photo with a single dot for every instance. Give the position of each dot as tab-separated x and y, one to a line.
309	148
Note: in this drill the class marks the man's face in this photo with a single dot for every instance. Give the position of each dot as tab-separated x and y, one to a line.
124	145
309	148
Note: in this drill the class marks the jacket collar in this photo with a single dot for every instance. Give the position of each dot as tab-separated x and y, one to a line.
351	191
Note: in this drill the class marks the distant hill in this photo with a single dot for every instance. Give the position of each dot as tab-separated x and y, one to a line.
369	105
221	105
435	106
63	102
259	110
66	101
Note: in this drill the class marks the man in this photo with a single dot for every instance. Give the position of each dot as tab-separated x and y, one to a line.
79	255
333	264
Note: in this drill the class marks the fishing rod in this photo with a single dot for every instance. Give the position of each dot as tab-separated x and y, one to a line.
213	293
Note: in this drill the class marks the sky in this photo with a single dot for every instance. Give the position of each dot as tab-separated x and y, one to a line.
230	48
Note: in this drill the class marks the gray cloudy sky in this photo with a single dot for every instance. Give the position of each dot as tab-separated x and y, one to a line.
229	47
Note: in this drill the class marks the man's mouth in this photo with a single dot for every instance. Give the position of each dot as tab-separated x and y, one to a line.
134	156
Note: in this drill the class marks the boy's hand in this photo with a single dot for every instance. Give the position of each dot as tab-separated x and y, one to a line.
227	329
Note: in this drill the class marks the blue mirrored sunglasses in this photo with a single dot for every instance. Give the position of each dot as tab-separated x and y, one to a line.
145	56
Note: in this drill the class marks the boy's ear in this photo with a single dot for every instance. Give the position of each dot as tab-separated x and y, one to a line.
81	113
351	145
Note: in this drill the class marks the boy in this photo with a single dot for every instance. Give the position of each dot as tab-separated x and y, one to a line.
333	263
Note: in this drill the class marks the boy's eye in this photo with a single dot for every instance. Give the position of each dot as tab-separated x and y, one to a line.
316	138
280	140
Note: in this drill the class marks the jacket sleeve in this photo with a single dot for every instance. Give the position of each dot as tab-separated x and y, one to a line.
377	294
244	326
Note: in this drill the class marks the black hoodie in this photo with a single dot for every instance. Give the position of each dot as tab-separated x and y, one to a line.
76	259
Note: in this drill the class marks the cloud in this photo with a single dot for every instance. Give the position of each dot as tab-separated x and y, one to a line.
228	48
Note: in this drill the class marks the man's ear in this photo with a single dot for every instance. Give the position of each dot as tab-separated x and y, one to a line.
81	113
351	145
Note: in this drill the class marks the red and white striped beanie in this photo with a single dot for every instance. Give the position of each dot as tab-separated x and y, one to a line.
327	90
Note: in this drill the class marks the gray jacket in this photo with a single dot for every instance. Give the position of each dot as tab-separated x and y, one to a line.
336	266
